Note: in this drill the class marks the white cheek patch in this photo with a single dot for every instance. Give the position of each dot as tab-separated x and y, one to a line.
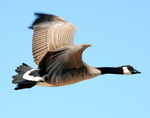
126	71
26	76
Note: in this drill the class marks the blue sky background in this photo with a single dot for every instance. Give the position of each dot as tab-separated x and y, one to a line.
119	31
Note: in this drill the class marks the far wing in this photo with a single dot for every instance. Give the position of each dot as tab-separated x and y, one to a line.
50	32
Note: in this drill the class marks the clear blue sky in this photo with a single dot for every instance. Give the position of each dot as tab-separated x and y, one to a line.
119	31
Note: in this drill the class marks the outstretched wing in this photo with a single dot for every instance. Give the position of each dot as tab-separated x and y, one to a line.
50	32
66	58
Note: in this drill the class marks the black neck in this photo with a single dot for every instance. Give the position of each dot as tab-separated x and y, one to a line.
111	70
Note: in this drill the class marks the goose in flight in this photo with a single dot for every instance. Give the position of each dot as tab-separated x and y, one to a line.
59	61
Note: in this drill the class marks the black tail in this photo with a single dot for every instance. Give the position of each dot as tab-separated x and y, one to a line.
18	79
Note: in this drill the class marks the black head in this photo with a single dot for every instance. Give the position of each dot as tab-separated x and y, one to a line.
128	70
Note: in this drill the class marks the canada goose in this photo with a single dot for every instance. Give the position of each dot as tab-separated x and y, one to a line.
59	60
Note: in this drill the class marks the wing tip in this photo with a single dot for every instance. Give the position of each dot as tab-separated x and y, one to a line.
43	17
41	14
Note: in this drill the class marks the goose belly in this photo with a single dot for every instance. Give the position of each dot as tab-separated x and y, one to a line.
63	82
71	77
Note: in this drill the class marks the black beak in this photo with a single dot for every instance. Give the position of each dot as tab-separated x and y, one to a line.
136	72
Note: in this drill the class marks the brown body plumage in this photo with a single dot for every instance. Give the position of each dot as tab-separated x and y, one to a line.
54	51
59	60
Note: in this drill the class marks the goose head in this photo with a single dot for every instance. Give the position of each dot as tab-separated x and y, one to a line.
126	70
129	70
